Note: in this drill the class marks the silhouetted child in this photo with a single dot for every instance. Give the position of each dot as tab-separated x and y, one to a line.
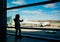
17	24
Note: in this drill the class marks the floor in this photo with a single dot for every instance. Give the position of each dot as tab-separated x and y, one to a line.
11	38
23	39
32	35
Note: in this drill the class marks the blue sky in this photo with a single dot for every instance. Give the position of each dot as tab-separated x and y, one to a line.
40	12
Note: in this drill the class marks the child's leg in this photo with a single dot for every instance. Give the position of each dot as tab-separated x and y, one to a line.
16	32
20	32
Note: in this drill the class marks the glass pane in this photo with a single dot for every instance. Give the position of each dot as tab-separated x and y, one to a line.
42	16
12	3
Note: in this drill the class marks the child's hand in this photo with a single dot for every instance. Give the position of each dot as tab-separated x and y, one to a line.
22	20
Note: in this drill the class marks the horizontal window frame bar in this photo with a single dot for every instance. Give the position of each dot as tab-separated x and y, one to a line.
37	28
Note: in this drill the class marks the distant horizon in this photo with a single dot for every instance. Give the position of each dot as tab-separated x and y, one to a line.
33	19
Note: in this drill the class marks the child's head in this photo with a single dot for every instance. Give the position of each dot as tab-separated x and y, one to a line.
17	16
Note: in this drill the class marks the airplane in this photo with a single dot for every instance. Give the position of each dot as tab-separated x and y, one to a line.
36	23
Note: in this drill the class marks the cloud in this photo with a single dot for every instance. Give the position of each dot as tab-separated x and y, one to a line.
14	10
19	2
53	5
56	11
32	12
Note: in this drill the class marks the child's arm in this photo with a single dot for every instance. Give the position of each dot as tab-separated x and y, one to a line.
14	19
21	20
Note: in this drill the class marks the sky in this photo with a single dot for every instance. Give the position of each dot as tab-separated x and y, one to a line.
40	12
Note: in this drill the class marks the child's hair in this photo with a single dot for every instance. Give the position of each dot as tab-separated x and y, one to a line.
17	16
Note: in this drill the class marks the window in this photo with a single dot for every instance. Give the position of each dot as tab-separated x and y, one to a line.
41	16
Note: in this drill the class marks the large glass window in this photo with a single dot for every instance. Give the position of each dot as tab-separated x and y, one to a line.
41	16
37	16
